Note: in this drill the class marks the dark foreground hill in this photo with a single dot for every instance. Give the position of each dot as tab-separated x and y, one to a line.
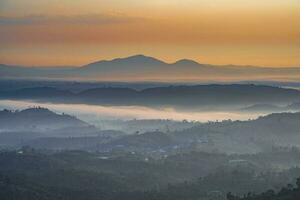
31	175
289	192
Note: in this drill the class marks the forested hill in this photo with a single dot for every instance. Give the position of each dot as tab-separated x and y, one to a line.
290	192
182	96
37	118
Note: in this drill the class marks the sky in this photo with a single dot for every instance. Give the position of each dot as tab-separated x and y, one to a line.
77	32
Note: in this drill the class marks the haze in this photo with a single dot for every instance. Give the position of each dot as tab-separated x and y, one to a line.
95	113
151	100
67	32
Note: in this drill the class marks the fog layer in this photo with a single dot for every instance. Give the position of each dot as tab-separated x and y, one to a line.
93	113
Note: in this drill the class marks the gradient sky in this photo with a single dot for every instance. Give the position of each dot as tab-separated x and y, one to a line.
76	32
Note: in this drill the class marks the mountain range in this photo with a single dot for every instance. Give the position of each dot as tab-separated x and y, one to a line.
197	96
145	68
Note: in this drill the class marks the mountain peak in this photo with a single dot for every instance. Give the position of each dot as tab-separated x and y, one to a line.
186	62
139	56
138	59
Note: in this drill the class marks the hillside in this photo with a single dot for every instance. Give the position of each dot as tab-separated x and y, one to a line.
37	119
262	134
18	128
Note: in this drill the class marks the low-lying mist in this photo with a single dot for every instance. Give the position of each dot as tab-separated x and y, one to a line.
95	113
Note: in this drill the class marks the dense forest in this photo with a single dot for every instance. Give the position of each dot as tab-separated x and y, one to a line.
289	192
31	174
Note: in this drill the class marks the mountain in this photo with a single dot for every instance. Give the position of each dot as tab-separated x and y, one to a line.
186	62
138	67
137	62
145	68
141	68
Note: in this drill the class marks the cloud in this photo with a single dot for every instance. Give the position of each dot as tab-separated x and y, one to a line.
99	19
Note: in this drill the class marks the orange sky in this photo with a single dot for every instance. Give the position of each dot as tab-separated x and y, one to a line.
68	32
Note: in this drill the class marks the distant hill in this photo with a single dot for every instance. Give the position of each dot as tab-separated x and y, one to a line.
263	108
278	129
252	136
145	68
294	106
42	128
271	108
146	142
38	119
202	96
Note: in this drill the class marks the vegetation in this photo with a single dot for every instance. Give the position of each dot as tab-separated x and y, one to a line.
286	193
31	174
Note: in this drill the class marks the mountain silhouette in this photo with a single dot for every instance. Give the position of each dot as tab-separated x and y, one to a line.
145	68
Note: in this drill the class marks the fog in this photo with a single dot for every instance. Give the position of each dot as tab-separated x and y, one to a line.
96	113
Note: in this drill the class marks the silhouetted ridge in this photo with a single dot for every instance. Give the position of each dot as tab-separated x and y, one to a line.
132	60
139	59
198	95
186	62
109	91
